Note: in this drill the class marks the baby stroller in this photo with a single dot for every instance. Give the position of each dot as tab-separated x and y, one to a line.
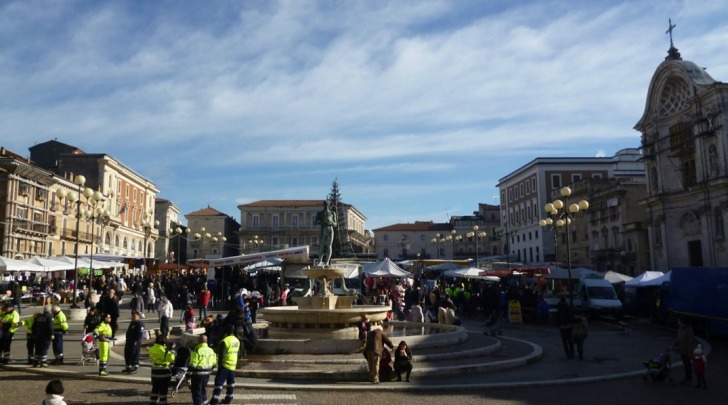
492	325
89	350
658	369
179	369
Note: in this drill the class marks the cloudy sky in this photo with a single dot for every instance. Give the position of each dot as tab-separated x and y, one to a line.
416	107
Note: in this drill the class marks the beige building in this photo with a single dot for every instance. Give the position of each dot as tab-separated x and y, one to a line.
212	234
414	241
277	224
685	152
169	245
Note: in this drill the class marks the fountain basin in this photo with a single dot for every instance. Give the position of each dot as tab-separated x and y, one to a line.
294	322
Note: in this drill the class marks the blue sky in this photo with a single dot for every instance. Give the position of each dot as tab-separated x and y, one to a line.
416	107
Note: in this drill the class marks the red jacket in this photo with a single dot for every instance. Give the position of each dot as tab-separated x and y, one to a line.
204	297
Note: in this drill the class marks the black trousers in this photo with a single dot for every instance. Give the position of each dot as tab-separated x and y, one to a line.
132	352
199	388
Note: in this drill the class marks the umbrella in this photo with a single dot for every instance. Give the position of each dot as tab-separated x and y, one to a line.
49	264
7	264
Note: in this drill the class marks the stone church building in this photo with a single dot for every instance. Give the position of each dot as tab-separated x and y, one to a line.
685	151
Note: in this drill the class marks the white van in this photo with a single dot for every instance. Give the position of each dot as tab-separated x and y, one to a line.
598	297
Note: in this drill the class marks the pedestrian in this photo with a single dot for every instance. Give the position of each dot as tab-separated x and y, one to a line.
151	298
162	355
579	332
403	361
188	317
203	301
43	334
202	361
29	339
60	327
9	322
103	333
111	307
376	340
54	393
18	296
699	366
684	345
137	304
166	312
364	327
227	361
564	322
133	344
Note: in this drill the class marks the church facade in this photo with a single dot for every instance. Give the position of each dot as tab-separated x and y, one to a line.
685	152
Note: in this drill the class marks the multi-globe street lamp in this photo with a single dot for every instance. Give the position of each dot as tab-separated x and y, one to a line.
179	231
452	238
477	236
201	236
74	197
563	213
255	242
96	214
147	225
221	240
438	240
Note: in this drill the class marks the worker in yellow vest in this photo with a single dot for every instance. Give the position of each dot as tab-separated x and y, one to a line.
202	361
103	333
29	338
9	321
162	356
60	327
227	361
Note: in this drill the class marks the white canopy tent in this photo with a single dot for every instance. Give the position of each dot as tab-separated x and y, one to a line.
470	272
7	264
616	278
80	263
49	264
657	281
642	278
447	266
384	268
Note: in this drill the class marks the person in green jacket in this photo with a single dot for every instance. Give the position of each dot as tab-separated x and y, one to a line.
103	334
29	339
227	361
162	356
202	361
10	321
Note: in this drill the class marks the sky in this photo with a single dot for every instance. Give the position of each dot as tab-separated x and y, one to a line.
415	108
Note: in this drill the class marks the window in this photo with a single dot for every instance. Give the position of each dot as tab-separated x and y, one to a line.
596	176
24	189
683	147
575	177
41	195
274	220
294	221
533	184
385	237
616	237
528	188
520	190
555	181
719	224
256	221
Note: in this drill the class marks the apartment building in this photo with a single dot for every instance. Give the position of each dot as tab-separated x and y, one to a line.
212	234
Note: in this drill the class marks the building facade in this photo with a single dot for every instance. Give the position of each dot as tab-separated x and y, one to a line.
277	224
420	240
169	247
485	219
212	234
685	152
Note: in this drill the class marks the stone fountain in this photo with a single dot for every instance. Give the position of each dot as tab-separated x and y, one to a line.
321	316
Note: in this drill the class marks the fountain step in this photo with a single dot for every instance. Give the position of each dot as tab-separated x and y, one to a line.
479	354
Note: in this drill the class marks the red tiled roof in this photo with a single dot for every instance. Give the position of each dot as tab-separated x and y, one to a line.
419	226
205	212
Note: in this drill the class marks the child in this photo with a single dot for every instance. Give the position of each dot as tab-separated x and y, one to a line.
54	391
699	363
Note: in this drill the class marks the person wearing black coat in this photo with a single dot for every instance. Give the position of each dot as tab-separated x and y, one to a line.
111	307
133	345
42	333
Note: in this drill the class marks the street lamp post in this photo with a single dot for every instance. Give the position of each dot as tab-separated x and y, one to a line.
179	233
437	241
76	198
96	214
255	242
201	236
564	212
147	225
221	239
476	236
452	238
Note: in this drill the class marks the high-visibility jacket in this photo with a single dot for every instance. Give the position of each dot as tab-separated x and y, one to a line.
29	325
103	331
202	360
160	356
59	322
10	318
228	356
